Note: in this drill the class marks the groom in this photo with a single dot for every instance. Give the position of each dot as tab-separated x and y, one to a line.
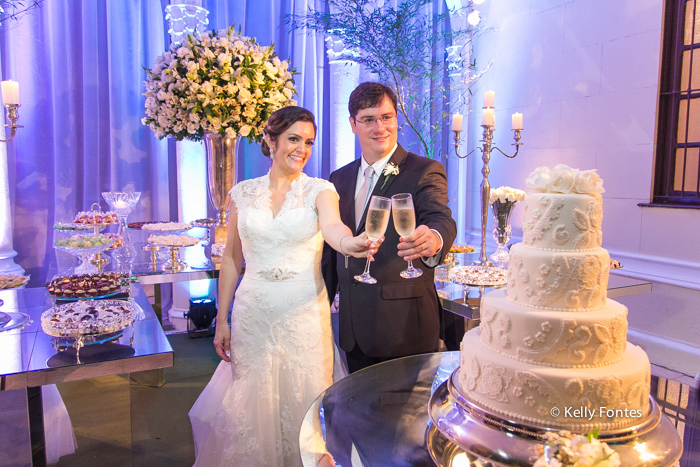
395	317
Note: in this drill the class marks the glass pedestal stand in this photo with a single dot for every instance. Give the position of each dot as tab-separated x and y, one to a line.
122	203
84	254
153	250
173	264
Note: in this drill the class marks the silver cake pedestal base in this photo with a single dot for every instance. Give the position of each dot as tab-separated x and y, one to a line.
465	434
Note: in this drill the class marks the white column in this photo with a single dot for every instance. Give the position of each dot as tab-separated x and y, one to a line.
345	76
7	252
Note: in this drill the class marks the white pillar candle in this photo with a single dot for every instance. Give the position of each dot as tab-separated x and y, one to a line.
487	118
10	92
517	121
489	98
457	122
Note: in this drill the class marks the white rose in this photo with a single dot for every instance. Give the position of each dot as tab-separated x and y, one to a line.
588	181
493	196
538	180
245	130
561	179
244	95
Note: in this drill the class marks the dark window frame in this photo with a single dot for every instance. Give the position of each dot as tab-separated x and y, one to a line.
670	97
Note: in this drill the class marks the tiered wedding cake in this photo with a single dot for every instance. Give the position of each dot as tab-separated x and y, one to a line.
551	350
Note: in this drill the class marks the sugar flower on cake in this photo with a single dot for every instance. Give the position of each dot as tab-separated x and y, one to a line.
564	449
218	82
565	179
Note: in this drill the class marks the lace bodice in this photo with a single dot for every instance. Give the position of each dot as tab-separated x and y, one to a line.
291	241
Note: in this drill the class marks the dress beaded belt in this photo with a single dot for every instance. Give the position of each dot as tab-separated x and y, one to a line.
276	274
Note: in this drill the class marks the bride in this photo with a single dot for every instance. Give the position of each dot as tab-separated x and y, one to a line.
278	354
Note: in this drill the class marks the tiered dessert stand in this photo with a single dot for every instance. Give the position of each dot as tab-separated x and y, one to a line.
84	253
479	437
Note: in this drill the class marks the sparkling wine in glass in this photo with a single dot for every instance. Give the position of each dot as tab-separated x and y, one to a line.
377	220
405	223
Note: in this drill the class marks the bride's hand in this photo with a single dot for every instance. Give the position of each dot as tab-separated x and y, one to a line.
222	342
361	246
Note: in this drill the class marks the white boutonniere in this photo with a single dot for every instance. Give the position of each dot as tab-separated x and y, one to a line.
389	170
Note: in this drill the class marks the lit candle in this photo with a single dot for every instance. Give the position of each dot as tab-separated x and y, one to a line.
489	98
517	121
487	118
10	92
457	122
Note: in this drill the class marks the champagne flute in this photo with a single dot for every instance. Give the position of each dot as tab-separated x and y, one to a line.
405	223
377	220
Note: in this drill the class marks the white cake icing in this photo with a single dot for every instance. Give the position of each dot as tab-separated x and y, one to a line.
558	280
523	391
563	221
551	338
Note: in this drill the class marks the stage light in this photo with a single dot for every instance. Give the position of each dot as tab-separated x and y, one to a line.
202	312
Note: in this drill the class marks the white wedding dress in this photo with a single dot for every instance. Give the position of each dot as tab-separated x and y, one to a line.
282	349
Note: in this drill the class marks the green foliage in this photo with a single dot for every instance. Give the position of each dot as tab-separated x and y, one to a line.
405	47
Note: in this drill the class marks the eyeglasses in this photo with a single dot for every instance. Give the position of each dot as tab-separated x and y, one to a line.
370	121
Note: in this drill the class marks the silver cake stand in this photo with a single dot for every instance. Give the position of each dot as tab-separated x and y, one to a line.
462	433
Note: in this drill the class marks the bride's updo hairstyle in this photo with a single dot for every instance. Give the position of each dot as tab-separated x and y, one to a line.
281	120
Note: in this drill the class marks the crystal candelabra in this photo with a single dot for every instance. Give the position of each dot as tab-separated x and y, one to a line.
486	148
122	203
12	117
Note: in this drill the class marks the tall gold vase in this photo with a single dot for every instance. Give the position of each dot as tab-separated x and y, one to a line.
221	176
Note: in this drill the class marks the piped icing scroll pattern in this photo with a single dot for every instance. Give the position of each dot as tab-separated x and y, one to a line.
589	224
495	327
579	282
571	344
489	380
609	392
540	220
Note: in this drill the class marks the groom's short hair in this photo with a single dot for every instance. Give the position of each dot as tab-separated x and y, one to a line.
369	94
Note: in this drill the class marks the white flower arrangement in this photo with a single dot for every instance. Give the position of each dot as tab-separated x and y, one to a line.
565	179
218	82
564	449
389	170
505	194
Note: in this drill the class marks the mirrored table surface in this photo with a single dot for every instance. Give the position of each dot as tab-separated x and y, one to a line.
379	416
32	359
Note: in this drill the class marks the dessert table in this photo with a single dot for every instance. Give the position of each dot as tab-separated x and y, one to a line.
379	416
31	361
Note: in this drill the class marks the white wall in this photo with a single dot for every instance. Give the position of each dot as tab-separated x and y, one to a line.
585	75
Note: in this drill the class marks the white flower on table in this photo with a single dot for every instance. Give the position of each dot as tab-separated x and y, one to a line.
567	450
506	194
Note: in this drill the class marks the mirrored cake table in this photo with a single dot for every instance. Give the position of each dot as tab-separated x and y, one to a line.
379	416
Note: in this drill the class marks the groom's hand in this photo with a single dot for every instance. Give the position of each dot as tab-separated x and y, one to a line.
422	242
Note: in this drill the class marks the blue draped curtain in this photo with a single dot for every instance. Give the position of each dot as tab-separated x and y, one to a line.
80	68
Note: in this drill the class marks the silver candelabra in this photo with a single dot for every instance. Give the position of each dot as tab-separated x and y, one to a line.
12	116
485	186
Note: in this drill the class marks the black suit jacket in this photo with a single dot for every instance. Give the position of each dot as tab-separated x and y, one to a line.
395	317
